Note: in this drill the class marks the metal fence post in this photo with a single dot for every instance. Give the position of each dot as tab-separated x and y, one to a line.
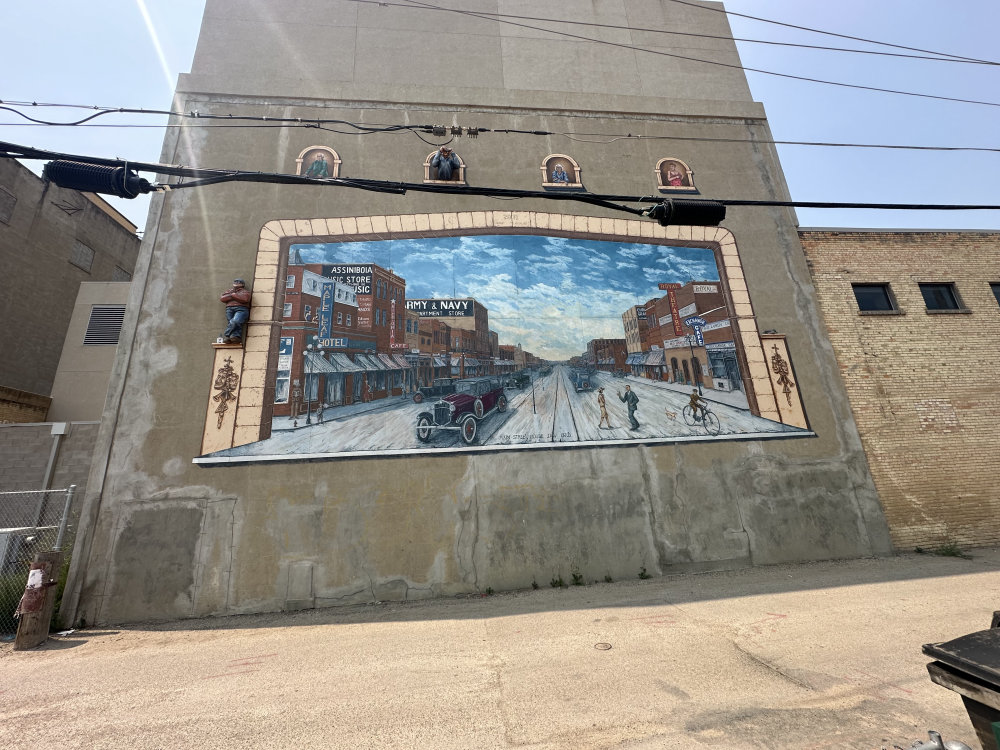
65	518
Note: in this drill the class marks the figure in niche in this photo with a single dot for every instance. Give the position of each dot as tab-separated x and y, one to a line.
319	167
237	302
559	175
673	174
446	162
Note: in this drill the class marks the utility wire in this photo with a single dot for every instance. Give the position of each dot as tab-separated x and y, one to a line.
733	66
204	177
933	56
832	33
264	122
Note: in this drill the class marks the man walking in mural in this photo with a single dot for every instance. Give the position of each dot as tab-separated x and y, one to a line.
604	410
446	162
633	403
237	301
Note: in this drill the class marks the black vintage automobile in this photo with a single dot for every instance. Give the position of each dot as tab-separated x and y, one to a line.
472	399
439	387
519	380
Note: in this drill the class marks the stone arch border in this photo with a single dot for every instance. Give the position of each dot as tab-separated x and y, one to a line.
577	172
688	175
247	375
461	171
334	157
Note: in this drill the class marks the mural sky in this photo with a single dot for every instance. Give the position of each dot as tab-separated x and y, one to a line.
550	294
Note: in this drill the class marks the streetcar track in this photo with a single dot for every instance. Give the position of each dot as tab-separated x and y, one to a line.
569	406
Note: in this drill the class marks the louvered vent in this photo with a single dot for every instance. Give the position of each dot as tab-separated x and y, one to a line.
105	324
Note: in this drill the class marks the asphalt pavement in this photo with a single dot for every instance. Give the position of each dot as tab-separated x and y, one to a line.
818	655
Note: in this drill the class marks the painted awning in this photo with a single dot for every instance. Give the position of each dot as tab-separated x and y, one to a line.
654	358
439	362
402	361
367	363
343	363
315	364
635	358
389	362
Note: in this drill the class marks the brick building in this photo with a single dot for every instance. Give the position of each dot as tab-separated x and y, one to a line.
914	320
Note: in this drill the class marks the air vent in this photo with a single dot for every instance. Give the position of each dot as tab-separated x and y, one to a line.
105	325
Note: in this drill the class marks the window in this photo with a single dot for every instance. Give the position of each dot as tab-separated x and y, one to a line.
874	298
340	318
290	282
940	296
287	311
105	325
348	320
996	291
81	256
308	312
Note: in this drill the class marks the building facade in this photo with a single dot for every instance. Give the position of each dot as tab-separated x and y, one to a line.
914	320
396	501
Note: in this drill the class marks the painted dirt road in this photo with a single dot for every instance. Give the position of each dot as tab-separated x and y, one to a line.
549	411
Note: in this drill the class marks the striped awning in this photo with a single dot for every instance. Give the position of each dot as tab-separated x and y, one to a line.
635	358
439	362
389	362
343	363
315	364
654	358
402	361
367	363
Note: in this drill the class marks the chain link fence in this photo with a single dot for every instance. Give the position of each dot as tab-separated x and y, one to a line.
31	521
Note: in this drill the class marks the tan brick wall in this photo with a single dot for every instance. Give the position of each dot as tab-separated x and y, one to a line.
18	407
924	388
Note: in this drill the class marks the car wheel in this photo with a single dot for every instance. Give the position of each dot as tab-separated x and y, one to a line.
502	404
424	428
688	415
477	408
469	429
418	397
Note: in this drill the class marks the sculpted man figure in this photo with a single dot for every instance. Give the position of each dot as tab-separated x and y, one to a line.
237	302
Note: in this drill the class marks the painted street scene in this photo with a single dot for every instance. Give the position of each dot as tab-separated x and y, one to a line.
445	343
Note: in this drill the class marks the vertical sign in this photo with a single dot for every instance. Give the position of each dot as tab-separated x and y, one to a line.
326	311
674	312
392	325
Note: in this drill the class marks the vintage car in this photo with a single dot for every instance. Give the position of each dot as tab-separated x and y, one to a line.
581	380
438	387
473	399
519	380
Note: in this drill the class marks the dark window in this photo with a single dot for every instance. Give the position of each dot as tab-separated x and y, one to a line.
940	296
81	256
996	291
105	324
874	297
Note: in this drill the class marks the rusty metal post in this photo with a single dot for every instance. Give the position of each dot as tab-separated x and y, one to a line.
39	600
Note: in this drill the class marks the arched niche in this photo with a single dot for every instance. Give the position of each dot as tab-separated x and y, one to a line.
561	171
318	161
674	176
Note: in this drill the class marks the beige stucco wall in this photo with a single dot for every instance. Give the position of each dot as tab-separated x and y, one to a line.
166	538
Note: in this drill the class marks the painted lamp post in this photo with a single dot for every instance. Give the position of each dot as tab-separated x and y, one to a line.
310	349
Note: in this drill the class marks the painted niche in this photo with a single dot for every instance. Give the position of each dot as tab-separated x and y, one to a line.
318	161
561	171
433	174
673	175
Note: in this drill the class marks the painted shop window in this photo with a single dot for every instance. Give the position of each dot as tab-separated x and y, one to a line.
941	297
105	325
286	312
561	171
673	175
996	291
874	298
444	166
318	161
81	256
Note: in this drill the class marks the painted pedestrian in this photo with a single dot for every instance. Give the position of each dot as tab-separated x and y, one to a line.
237	302
604	410
633	403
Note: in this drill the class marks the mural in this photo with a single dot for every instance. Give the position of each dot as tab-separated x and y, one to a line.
673	175
318	161
486	342
561	171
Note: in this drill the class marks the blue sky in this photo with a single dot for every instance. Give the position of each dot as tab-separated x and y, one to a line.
128	53
549	294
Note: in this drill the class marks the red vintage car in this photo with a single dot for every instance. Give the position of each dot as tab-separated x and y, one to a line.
473	400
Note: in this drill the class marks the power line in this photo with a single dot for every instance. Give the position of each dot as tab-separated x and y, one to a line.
933	56
674	55
263	122
832	33
205	177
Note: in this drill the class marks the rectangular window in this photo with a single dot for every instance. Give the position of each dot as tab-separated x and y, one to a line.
81	256
340	318
290	282
308	312
874	297
287	311
940	296
348	320
996	291
105	325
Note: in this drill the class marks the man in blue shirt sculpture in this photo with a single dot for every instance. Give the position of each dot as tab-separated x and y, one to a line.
446	162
